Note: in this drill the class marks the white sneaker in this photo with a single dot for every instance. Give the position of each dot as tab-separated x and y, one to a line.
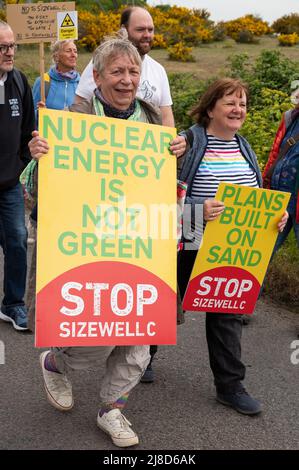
58	387
117	426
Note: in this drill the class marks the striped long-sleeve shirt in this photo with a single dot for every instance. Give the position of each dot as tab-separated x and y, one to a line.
222	161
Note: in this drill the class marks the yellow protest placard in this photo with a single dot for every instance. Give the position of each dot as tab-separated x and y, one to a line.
106	263
232	261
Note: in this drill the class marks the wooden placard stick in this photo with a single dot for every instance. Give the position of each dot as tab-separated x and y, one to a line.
42	71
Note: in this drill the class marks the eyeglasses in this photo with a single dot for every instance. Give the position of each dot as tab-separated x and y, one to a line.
4	48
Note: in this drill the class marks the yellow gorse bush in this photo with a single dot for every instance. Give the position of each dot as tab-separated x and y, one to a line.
93	28
180	52
246	23
173	26
288	39
159	42
178	24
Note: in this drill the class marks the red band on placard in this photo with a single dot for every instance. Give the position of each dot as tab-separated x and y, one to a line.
106	303
222	290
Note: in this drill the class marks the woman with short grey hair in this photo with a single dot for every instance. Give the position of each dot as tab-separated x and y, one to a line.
116	71
117	68
113	46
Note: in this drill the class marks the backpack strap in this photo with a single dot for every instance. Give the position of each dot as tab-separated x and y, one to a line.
289	143
47	80
19	82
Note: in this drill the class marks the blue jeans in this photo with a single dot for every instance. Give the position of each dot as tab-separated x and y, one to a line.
13	239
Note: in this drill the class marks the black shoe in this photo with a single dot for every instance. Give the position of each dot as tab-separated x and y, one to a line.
246	319
240	401
148	375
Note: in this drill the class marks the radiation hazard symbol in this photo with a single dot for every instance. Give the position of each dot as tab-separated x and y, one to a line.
67	22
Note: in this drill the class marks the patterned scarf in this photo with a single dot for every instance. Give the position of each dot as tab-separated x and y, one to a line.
70	75
103	108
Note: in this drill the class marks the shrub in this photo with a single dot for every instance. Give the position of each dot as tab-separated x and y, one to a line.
239	66
275	71
181	53
270	70
205	35
93	28
219	32
287	24
246	37
202	13
159	42
288	39
281	282
250	23
172	24
262	122
178	24
185	90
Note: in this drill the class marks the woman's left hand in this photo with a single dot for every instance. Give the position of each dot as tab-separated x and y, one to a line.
282	223
178	146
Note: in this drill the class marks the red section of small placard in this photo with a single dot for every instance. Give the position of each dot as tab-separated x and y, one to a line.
222	290
106	303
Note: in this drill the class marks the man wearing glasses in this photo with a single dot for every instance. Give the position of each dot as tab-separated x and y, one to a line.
16	125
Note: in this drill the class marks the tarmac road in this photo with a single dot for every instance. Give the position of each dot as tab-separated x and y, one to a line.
178	411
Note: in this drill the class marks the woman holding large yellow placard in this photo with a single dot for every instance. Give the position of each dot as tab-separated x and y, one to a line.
218	154
117	66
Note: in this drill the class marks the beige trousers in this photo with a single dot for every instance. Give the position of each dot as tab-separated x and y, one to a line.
123	365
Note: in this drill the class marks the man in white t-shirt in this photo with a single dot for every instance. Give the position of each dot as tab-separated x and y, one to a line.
154	85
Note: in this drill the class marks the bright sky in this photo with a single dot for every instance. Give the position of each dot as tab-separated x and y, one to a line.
226	10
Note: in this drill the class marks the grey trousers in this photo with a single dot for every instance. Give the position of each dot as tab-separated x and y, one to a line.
123	365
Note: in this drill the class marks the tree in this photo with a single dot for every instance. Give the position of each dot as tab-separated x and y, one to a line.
287	24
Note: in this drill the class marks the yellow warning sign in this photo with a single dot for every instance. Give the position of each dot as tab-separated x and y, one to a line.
67	22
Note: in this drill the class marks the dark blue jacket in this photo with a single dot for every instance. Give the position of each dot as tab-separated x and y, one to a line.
16	125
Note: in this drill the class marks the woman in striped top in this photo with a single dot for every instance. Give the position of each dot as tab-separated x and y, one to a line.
217	153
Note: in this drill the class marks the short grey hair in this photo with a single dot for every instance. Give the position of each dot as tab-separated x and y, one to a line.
57	46
113	46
